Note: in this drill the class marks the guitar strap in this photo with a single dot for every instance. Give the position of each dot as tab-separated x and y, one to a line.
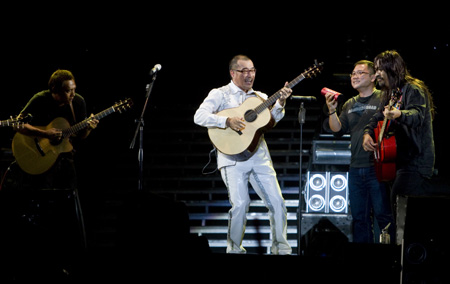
397	106
204	172
258	95
73	113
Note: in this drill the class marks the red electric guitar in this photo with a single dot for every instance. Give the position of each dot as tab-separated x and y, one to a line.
386	151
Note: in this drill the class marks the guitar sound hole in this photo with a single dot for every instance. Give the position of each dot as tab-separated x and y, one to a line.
56	142
250	115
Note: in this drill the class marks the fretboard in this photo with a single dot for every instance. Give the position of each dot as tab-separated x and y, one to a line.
272	99
83	124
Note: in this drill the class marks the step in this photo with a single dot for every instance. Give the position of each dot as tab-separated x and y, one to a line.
200	230
250	216
226	203
217	190
248	244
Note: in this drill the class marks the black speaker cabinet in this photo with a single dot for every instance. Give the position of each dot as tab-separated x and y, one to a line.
422	229
322	232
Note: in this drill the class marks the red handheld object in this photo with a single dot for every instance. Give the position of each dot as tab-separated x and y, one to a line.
324	91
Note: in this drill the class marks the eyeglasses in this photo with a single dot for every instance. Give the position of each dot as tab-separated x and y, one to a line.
358	73
246	71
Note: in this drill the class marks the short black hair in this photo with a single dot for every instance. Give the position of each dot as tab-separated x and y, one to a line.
235	59
369	64
57	79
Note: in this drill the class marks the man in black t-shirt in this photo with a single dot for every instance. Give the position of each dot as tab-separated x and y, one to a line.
60	100
367	195
41	213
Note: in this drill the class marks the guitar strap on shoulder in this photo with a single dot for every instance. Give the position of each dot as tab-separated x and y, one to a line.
73	113
397	106
259	96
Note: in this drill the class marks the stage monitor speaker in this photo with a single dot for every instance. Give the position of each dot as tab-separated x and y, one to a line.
422	229
327	192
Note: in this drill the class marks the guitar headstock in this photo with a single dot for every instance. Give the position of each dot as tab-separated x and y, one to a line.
313	70
123	105
18	121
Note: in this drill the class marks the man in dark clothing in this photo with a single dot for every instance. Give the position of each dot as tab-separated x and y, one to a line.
41	213
60	100
367	195
412	124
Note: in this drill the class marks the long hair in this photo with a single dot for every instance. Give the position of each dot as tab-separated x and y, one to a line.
398	75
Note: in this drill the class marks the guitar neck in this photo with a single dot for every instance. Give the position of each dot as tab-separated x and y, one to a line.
383	128
83	124
272	99
9	122
385	121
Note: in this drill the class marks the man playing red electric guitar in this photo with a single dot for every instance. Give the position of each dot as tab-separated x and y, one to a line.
412	124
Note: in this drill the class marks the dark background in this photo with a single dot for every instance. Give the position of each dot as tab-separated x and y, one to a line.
111	49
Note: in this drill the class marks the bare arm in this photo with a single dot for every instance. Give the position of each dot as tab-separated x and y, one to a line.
334	122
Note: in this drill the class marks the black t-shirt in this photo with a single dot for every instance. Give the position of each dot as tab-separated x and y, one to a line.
45	109
354	116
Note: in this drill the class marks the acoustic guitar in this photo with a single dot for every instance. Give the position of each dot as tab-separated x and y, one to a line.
36	155
386	151
16	122
258	120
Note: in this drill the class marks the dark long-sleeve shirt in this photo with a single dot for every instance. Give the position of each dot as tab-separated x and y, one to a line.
413	131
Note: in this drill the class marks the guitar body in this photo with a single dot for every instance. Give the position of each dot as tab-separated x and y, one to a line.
242	145
36	155
386	154
258	119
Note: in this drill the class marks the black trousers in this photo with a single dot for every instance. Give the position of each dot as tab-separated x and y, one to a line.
409	183
41	218
62	175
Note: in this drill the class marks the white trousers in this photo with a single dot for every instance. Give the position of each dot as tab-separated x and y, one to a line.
262	177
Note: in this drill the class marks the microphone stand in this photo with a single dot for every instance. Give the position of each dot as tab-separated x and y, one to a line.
301	120
140	130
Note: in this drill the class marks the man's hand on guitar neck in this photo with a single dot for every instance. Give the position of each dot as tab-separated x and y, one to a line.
391	114
285	93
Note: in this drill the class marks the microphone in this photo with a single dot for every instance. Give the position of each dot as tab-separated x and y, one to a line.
155	69
304	98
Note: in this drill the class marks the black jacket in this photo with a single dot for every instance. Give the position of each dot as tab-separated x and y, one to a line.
413	131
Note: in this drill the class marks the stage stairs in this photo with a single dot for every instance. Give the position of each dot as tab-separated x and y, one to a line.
175	152
175	171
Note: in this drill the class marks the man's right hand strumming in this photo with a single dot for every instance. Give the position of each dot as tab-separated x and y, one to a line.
236	123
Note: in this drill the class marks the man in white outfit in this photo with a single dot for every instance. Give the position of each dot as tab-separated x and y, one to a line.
258	169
